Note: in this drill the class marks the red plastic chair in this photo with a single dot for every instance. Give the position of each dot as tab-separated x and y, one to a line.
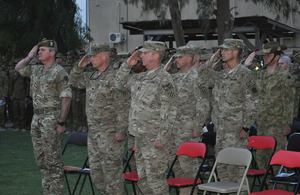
259	143
288	159
193	150
131	177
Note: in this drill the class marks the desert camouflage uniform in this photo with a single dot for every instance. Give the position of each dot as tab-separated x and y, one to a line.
47	90
102	107
3	93
233	107
276	105
192	109
151	118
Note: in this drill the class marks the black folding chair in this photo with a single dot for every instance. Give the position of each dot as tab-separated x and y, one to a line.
78	139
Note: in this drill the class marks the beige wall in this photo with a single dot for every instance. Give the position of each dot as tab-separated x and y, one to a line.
105	15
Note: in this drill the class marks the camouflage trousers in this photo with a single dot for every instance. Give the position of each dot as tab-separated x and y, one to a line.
185	166
151	165
263	156
47	151
106	160
228	135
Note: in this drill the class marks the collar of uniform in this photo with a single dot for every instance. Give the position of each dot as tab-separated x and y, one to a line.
152	73
232	72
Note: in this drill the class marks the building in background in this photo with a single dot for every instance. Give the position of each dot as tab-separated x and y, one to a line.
108	18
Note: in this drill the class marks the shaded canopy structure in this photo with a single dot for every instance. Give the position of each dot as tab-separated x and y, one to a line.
251	27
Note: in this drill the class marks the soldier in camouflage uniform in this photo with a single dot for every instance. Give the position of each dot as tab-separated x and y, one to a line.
60	59
276	99
192	109
234	103
18	92
152	115
51	96
3	94
106	133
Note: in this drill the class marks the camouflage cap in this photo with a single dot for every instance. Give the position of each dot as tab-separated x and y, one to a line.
153	46
97	48
233	44
271	47
182	50
60	55
47	43
296	59
205	54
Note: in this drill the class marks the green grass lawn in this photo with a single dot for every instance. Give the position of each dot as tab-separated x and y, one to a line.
19	174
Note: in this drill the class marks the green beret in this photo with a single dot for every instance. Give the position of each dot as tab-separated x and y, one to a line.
47	43
97	48
271	47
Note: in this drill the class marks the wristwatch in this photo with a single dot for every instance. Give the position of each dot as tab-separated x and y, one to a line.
61	123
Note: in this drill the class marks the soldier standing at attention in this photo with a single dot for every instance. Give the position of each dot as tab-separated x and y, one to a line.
51	97
106	137
152	115
192	108
276	99
233	100
18	92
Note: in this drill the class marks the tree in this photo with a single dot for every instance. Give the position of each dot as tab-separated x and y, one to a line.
25	23
219	9
159	8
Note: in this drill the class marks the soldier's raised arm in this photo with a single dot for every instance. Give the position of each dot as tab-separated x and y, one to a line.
24	62
122	75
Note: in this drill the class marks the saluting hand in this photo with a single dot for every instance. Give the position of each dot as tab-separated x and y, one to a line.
33	52
133	59
83	62
249	59
168	65
214	57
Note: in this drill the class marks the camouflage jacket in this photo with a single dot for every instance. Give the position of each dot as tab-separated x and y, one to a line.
103	100
276	97
47	88
153	99
192	105
18	85
233	96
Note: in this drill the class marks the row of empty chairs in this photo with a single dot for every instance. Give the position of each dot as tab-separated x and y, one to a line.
289	161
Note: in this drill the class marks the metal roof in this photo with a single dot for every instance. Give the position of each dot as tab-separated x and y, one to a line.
251	27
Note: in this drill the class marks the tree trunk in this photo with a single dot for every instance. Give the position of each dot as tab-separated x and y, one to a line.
176	23
224	20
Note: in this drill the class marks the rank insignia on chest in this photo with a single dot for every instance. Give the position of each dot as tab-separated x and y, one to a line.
250	84
171	94
168	86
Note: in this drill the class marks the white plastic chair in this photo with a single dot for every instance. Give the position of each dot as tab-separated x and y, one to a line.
230	156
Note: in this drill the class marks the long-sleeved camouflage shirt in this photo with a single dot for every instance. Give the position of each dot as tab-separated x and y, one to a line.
103	100
153	96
